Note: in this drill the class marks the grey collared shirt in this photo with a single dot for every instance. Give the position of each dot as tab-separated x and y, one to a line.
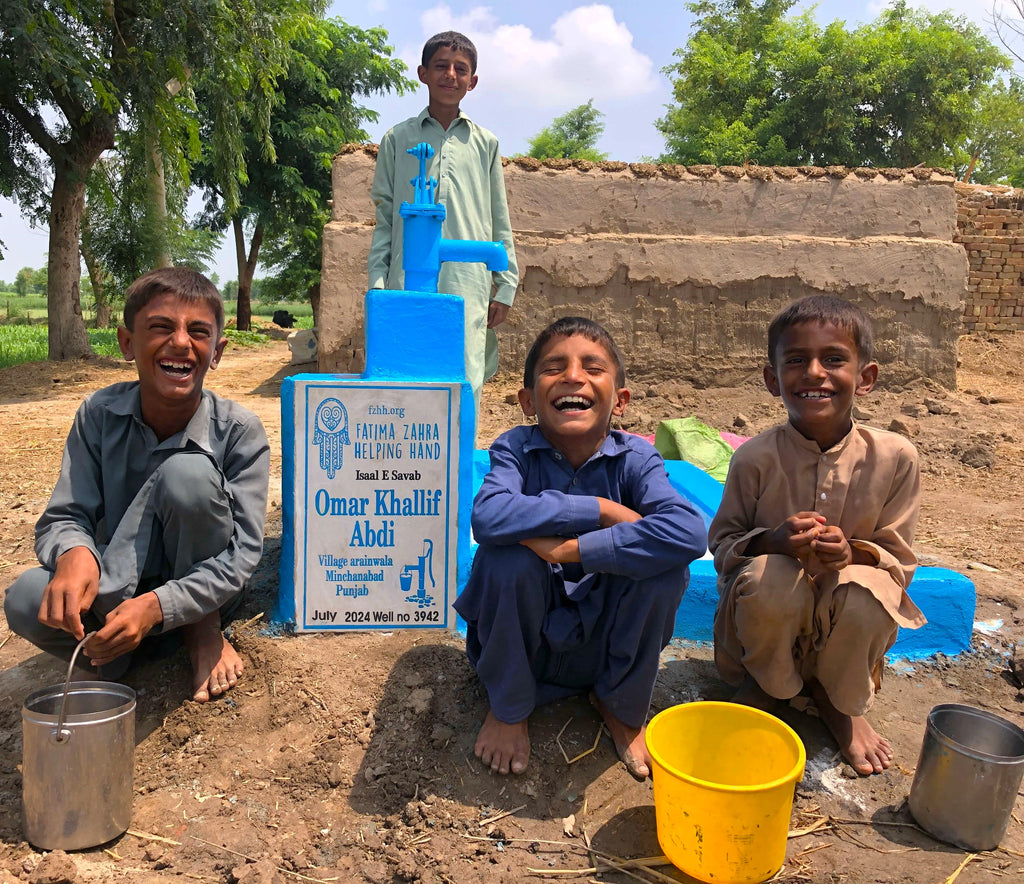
109	454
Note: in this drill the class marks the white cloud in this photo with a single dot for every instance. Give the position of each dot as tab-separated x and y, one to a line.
588	54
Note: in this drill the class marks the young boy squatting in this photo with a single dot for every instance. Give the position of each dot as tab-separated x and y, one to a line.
583	556
812	541
156	521
471	185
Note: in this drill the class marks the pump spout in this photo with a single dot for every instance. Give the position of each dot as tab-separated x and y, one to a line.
492	254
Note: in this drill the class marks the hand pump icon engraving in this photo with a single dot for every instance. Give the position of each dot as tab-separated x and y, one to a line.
424	568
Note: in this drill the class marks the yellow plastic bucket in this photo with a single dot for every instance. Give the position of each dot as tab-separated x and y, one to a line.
724	776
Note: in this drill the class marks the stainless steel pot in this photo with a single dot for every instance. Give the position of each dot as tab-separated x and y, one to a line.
967	777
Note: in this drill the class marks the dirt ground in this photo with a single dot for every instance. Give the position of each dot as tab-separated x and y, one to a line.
349	757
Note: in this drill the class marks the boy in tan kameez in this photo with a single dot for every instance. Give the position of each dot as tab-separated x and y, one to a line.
812	540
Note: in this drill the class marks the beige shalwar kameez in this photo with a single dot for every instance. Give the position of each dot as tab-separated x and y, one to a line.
775	622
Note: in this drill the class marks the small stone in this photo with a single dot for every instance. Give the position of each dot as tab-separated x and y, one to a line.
936	406
651	393
335	775
407	869
989	400
512	399
375	872
861	414
260	872
54	868
913	409
419	700
849	773
905	427
441	735
978	456
741	421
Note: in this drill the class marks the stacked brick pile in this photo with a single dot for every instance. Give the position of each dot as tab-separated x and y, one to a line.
990	224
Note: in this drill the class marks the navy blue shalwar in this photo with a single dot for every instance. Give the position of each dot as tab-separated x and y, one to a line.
538	631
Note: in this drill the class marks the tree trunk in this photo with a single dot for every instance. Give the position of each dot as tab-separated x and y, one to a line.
99	292
246	270
68	338
314	302
970	167
156	210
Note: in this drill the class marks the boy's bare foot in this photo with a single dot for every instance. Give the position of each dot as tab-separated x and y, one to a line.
505	748
750	693
216	665
867	751
630	742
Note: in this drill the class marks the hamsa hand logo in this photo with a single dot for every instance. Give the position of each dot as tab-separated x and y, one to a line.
330	433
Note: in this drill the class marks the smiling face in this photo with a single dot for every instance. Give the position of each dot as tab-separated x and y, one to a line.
574	395
816	370
173	343
448	77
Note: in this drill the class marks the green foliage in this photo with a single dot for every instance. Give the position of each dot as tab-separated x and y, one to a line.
313	111
75	72
753	85
119	233
23	281
994	151
28	343
573	135
245	338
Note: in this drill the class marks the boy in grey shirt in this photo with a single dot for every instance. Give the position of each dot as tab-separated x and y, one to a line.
156	521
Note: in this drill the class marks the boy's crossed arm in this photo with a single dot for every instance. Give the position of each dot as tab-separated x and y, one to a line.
662	530
560	550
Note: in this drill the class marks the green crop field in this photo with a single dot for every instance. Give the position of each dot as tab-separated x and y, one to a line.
27	343
23	326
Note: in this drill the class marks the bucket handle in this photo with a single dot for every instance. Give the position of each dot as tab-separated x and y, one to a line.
62	736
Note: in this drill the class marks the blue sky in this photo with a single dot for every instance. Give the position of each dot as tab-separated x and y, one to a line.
538	59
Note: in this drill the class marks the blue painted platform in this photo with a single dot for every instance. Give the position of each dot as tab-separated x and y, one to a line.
945	597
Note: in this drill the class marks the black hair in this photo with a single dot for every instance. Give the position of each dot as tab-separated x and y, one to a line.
452	40
827	310
567	327
182	282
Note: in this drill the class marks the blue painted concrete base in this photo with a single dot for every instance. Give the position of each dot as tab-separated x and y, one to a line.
945	597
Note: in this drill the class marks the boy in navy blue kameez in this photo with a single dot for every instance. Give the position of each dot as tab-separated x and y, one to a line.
583	557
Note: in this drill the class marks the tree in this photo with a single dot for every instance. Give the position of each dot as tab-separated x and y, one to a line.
73	71
23	281
1010	26
573	135
993	150
285	196
752	85
122	236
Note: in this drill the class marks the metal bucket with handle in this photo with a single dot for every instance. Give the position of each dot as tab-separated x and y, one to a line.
78	748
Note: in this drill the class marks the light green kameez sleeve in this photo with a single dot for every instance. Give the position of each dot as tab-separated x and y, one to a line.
382	192
505	281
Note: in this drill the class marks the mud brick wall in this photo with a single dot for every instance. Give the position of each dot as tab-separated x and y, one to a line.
990	224
686	265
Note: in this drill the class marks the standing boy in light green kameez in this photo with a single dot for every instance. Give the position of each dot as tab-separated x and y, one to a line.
467	166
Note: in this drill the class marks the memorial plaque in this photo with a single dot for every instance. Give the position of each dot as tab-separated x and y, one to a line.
376	501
